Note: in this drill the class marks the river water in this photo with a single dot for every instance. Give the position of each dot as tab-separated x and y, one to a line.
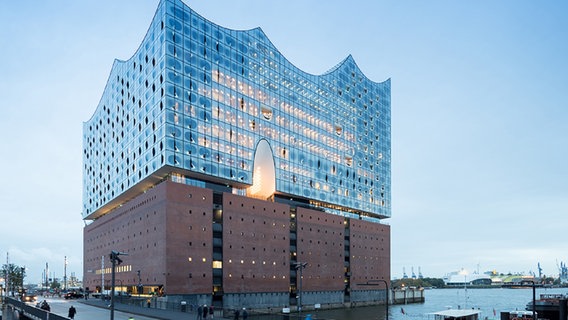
489	301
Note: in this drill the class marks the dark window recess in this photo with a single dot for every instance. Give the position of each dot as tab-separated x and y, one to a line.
217	198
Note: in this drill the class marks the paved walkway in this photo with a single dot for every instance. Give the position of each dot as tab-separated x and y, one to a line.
151	313
97	309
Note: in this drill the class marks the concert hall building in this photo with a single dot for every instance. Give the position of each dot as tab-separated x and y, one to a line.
231	177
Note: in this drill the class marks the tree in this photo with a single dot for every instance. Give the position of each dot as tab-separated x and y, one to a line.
14	277
418	283
55	284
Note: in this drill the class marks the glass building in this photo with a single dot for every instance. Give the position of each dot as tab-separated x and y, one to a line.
205	106
198	101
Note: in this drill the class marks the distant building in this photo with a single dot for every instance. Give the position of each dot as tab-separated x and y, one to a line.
563	273
220	167
464	278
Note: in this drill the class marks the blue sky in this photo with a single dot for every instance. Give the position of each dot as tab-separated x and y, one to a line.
479	117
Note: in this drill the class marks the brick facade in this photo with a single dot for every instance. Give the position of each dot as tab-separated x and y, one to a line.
171	235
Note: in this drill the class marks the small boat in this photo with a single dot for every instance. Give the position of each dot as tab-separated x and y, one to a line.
458	314
548	306
519	315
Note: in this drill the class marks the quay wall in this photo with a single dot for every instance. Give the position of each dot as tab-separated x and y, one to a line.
406	296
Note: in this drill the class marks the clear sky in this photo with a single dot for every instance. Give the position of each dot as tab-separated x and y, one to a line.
479	118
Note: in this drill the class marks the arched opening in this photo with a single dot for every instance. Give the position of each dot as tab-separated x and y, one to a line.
264	173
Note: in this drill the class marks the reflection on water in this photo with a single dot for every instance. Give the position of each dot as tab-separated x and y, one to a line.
489	301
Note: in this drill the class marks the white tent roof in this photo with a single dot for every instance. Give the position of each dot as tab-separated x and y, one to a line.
456	313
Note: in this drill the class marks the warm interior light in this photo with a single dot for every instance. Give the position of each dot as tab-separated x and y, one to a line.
264	174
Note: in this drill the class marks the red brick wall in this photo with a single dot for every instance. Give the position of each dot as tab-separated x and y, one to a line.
167	234
189	233
137	228
321	244
370	253
256	245
143	227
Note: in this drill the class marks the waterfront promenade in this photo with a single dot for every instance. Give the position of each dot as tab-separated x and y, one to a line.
96	309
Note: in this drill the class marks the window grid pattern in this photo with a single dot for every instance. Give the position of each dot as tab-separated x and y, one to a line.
199	97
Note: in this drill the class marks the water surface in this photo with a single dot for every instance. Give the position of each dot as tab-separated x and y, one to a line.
489	301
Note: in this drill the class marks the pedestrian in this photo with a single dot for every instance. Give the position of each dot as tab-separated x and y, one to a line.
72	312
200	312
211	311
148	302
245	314
237	314
205	311
45	306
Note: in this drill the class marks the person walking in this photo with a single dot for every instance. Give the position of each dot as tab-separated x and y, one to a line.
237	314
200	312
211	311
71	313
205	311
45	306
245	314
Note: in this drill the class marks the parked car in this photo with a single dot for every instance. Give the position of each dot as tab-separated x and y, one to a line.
73	295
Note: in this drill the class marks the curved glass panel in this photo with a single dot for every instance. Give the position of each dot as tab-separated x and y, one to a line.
196	100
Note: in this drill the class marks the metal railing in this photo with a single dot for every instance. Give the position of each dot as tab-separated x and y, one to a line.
31	311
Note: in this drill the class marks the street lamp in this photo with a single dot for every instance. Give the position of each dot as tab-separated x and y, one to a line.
139	288
464	272
122	290
372	283
22	272
533	298
300	266
115	261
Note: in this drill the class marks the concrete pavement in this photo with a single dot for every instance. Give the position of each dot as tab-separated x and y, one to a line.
97	309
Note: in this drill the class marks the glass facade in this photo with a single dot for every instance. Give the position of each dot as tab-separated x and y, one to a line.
196	99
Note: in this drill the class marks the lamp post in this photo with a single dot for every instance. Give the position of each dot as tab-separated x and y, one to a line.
22	273
464	273
533	298
372	283
122	291
115	261
300	266
139	287
65	274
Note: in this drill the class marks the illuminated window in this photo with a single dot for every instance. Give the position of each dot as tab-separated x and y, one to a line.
338	130
266	113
